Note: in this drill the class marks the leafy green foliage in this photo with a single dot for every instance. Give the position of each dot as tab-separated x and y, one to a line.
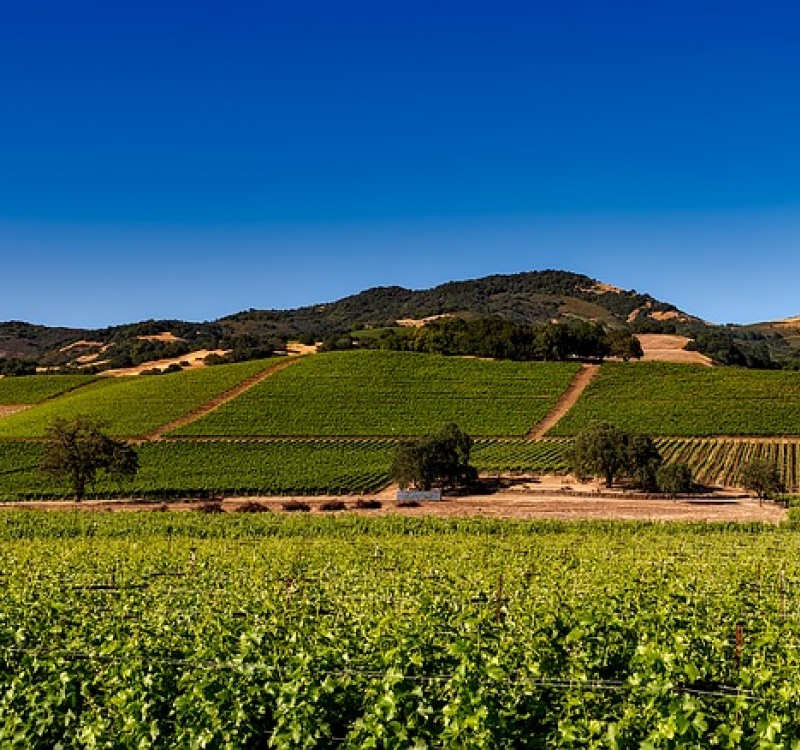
657	398
191	630
440	459
504	339
760	475
600	450
392	393
77	449
674	479
606	451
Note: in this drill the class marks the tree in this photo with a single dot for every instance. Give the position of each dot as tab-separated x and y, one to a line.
601	449
674	479
607	451
760	475
624	345
644	460
441	458
77	449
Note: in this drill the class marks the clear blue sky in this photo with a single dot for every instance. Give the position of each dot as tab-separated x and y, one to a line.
192	159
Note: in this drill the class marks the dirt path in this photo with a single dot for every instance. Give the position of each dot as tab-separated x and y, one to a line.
223	398
6	410
503	505
566	402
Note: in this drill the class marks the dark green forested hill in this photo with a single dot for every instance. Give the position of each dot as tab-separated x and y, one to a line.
534	297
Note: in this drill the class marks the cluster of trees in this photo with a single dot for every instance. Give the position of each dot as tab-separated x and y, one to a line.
246	346
503	339
134	352
609	452
741	350
13	366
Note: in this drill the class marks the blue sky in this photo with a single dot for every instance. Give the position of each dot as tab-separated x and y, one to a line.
176	159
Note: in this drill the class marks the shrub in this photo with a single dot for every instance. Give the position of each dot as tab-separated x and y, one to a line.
296	505
252	507
333	505
408	504
210	507
368	504
674	479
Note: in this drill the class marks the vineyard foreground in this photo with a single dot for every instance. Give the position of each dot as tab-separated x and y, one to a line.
187	630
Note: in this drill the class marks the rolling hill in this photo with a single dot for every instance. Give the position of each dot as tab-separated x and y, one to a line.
534	297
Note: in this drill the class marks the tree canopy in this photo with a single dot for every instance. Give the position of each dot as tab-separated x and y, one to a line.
760	475
607	451
77	449
504	339
440	458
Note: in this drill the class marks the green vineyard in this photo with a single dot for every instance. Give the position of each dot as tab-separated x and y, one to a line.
392	394
718	461
33	390
186	469
165	630
314	466
656	398
133	406
328	424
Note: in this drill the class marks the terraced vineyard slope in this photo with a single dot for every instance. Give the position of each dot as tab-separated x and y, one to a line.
658	398
366	393
133	406
718	460
34	389
328	424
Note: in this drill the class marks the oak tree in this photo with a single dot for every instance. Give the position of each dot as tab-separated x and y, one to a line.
77	449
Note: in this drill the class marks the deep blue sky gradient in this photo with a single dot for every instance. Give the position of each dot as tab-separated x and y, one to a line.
176	159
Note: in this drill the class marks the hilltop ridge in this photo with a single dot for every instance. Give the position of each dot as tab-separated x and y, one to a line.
532	297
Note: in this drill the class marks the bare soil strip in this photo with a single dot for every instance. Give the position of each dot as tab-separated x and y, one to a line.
6	410
568	399
223	398
505	505
663	347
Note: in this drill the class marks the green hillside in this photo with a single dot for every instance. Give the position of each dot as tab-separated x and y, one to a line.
329	423
657	398
33	389
392	393
135	405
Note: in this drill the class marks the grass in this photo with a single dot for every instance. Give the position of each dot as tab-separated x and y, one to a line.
658	398
134	405
392	394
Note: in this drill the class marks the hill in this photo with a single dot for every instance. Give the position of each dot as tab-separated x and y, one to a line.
531	298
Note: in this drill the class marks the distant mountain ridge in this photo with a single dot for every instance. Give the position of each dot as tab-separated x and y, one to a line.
533	297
